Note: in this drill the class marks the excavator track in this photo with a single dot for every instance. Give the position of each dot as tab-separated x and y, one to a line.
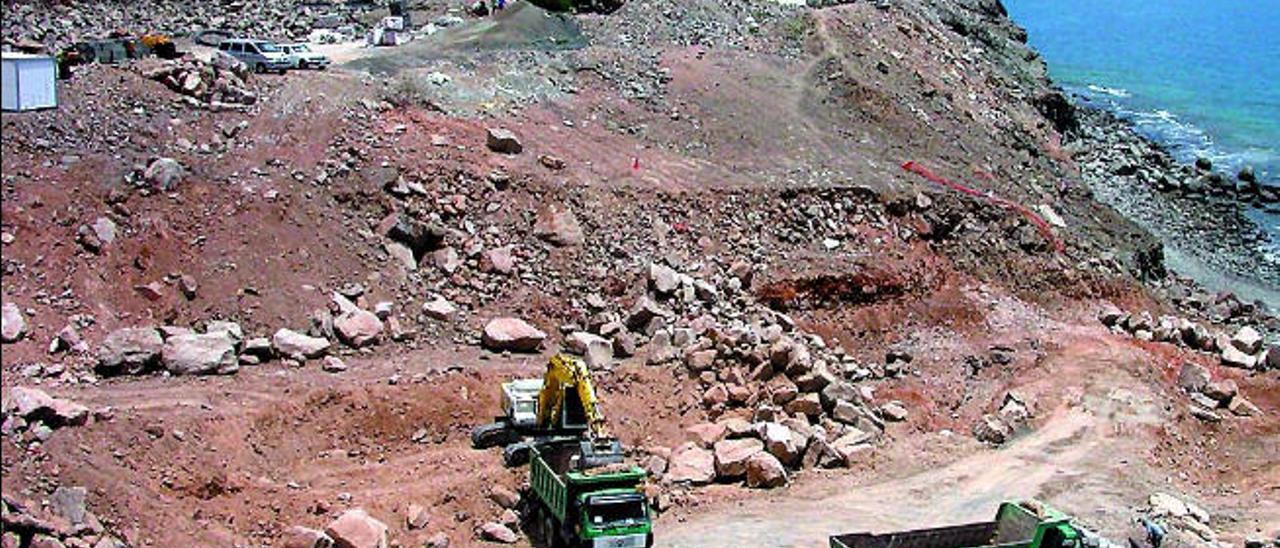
493	435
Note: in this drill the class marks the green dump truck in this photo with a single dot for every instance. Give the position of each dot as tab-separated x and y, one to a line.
1026	524
581	507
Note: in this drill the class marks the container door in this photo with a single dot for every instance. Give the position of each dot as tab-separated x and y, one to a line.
9	83
38	87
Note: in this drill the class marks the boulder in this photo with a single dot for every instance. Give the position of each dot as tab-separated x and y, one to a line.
838	391
355	528
231	329
779	441
496	532
557	225
1272	359
358	328
200	354
421	238
130	351
1232	356
707	434
1247	340
504	497
597	350
893	411
304	537
13	324
1193	377
35	405
439	308
663	279
1221	391
511	334
764	471
438	540
731	456
503	141
1242	407
498	260
164	173
992	429
809	405
416	517
292	344
333	364
643	312
851	444
691	463
1110	315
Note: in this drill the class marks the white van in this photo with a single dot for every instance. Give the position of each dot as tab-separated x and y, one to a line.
259	55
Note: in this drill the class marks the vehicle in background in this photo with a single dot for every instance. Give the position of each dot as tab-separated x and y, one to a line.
259	55
303	57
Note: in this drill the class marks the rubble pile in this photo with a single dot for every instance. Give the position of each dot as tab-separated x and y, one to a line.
1209	398
61	24
1246	349
222	81
64	519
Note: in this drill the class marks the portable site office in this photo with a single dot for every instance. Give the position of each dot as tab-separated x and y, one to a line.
28	81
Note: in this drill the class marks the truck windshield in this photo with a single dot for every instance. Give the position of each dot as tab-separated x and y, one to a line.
618	510
267	47
530	407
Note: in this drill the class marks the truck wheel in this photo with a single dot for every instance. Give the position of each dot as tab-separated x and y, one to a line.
551	536
516	454
302	65
259	68
492	435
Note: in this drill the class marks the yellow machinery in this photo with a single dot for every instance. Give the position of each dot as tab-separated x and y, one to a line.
561	407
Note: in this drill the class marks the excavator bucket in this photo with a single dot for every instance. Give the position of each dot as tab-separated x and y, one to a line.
599	452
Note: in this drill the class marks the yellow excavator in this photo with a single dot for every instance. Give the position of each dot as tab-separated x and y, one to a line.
560	407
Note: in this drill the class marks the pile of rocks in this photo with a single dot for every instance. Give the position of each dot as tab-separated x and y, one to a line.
1209	396
1245	349
63	520
223	81
58	25
1185	518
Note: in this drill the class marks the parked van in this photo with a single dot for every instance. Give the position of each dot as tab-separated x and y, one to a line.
259	55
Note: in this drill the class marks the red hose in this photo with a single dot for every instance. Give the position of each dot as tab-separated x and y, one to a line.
1040	224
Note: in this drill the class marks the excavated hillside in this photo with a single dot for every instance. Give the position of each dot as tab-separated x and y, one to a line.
239	306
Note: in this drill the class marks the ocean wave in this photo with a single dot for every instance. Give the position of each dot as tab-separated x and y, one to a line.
1114	92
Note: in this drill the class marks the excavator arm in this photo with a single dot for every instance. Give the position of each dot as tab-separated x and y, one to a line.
565	373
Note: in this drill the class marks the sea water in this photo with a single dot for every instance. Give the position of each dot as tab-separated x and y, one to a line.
1203	78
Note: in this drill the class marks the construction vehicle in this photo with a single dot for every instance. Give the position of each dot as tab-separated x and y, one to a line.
579	505
562	406
1024	524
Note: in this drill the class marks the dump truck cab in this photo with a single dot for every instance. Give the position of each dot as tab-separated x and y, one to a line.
615	517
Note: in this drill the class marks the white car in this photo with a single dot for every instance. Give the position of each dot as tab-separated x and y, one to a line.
304	57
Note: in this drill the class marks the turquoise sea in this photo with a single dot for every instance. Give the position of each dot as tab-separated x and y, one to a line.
1201	77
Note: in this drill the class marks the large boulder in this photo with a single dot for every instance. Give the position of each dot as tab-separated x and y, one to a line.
289	343
421	238
1232	356
557	224
1193	377
707	433
597	350
358	327
304	537
164	173
764	471
731	456
355	528
992	429
496	532
691	463
13	325
503	141
780	442
1247	340
851	444
130	351
35	405
663	278
199	354
511	334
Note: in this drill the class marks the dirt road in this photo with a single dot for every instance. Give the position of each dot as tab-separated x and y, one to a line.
1087	458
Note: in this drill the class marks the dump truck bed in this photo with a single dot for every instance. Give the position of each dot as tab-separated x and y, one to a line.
1015	526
